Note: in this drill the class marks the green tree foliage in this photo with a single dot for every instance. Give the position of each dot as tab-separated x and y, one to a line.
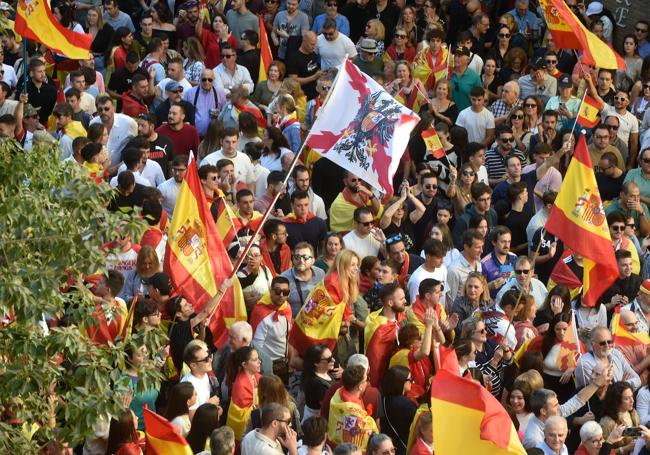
52	223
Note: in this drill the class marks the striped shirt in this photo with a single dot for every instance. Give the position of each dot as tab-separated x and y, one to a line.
496	163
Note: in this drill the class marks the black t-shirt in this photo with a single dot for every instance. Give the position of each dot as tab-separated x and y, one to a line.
389	17
406	230
122	81
163	109
399	412
251	60
315	388
162	151
609	187
43	97
313	232
422	227
304	65
517	222
544	270
327	180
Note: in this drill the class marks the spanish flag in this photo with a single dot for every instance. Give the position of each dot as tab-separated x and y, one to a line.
415	314
433	144
319	320
589	113
349	421
468	419
35	21
570	348
225	219
162	437
266	57
622	336
265	307
196	259
578	219
430	71
413	437
110	322
380	340
415	100
244	400
569	33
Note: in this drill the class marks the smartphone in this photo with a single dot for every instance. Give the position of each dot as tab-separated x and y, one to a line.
634	432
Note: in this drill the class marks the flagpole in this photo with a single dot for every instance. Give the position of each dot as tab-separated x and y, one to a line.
25	42
582	365
232	223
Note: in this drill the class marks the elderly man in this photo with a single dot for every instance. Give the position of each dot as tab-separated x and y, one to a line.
538	82
524	280
240	334
555	433
207	100
509	100
602	350
641	306
239	102
229	74
641	175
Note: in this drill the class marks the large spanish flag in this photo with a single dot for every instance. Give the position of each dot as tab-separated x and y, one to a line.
266	57
348	420
319	320
578	219
568	32
196	259
163	438
243	400
380	341
622	336
35	21
468	419
588	115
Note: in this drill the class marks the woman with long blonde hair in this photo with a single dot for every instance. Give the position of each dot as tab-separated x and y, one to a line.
346	266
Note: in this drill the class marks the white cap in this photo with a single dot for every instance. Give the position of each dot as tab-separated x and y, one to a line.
594	8
4	6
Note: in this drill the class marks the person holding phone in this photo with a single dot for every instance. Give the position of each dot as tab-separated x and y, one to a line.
618	407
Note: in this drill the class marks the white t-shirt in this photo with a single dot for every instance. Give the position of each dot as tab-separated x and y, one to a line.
243	166
9	75
260	173
202	387
124	128
151	171
420	275
169	189
332	53
628	122
368	246
475	123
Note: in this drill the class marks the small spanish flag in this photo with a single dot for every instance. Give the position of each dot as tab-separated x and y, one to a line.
622	336
589	114
162	437
35	21
433	144
570	348
468	419
415	100
266	57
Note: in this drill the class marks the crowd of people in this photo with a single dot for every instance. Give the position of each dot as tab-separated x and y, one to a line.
458	256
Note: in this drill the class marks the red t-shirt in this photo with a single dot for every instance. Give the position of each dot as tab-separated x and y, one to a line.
184	140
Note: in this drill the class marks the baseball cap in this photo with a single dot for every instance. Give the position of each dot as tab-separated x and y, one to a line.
172	86
160	281
565	81
538	63
462	50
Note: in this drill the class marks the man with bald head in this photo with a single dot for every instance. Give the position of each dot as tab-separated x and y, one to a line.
303	65
637	355
555	433
509	100
207	98
602	350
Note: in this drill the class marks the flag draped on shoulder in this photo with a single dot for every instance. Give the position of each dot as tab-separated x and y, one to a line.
362	128
319	320
569	33
196	259
622	336
579	220
35	21
348	420
589	113
430	69
244	399
380	341
163	438
468	419
266	57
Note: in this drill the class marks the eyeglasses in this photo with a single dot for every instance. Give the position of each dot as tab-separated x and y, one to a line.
606	343
282	292
504	35
431	187
518	116
288	421
551	62
228	55
522	272
400	36
206	79
641	30
620	98
328	359
469	173
365	223
507	139
618	228
301	257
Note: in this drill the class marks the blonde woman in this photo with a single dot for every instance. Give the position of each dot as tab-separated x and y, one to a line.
475	295
442	107
193	62
375	30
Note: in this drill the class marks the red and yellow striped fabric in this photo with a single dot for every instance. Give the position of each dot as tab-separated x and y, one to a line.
380	340
348	420
429	69
433	144
622	336
578	219
468	419
319	320
244	400
266	57
588	113
162	437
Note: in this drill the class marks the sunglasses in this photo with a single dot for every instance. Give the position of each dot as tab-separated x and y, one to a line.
328	359
618	228
393	239
620	98
551	62
631	225
400	36
469	173
530	105
504	35
646	86
205	360
431	187
206	79
507	139
646	160
282	292
606	343
228	55
301	257
612	127
480	331
522	272
365	223
641	30
518	116
104	109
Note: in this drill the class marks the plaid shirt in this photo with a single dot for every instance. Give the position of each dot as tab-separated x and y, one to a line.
500	109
